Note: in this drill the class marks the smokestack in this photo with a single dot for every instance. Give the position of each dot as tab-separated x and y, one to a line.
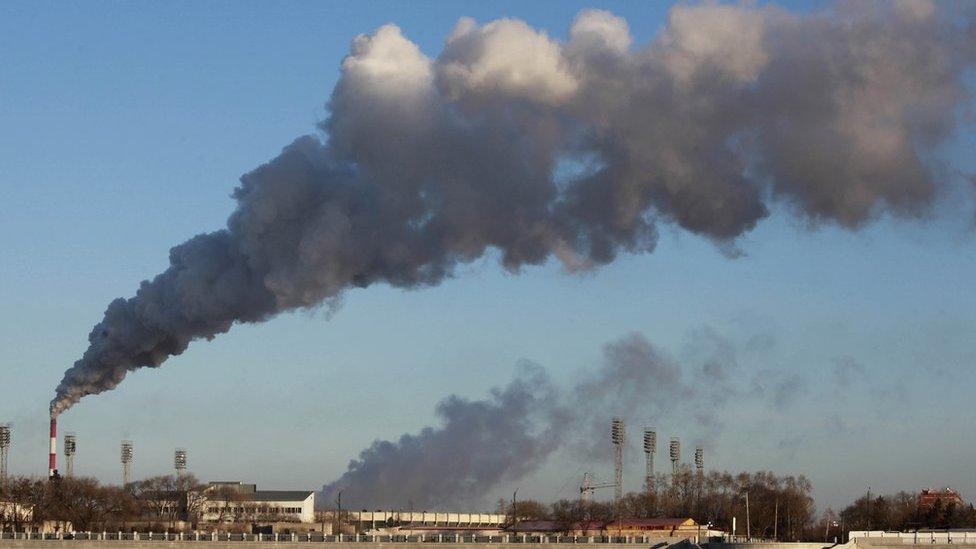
52	460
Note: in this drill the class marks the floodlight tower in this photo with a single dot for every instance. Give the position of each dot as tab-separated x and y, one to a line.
126	462
179	461
675	451
650	448
4	449
617	435
70	447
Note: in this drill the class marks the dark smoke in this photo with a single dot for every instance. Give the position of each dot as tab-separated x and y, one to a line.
480	444
515	142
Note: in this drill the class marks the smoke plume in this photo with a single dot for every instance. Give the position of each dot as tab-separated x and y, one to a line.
482	443
516	142
479	444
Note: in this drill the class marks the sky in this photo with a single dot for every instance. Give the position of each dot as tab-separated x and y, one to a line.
123	131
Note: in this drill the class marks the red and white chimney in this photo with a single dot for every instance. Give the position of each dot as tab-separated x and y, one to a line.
52	463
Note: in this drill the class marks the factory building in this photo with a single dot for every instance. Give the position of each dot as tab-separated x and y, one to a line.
240	502
946	497
685	528
425	522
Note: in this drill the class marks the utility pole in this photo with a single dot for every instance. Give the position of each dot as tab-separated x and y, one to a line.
339	512
776	521
869	508
748	520
515	510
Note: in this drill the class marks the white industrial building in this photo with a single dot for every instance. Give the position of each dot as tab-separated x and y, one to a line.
240	502
423	521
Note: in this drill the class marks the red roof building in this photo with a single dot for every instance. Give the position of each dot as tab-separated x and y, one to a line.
928	498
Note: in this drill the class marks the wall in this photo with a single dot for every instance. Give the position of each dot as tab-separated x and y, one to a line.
20	544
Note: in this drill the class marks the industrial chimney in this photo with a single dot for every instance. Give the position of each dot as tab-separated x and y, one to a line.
617	435
52	458
70	447
650	448
126	462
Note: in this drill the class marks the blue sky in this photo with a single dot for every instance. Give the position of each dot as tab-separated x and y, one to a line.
123	130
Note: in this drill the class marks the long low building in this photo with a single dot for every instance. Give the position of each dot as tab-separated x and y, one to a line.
372	520
240	502
685	528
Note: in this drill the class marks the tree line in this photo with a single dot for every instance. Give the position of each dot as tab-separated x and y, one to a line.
905	511
88	505
779	506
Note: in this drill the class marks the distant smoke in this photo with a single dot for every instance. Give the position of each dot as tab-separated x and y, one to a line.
511	434
479	444
513	141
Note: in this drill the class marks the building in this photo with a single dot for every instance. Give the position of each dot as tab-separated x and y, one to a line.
653	528
240	502
425	522
19	517
928	498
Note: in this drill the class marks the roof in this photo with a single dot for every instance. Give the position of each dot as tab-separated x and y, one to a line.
269	495
646	524
280	495
649	523
535	526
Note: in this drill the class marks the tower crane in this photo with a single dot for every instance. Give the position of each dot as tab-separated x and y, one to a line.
589	486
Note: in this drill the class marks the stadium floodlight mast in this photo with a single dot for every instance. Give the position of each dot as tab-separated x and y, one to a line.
4	449
126	454
650	448
675	450
617	436
179	462
70	448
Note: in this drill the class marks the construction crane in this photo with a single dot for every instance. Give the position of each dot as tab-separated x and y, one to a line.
589	486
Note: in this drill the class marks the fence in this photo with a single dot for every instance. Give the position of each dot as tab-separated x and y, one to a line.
203	537
912	538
